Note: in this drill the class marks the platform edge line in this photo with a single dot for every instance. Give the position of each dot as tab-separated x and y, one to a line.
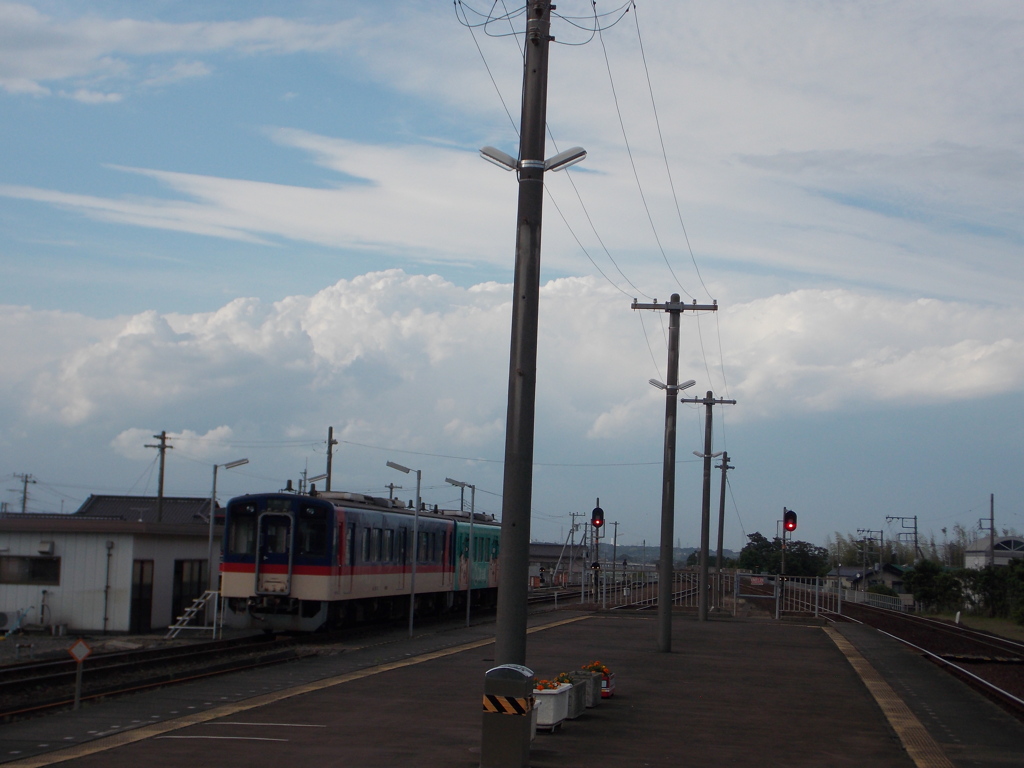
918	743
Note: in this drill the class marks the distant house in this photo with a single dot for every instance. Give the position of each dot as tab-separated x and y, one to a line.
987	551
117	564
858	578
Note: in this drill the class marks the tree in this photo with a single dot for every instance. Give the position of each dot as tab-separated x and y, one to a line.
762	555
935	588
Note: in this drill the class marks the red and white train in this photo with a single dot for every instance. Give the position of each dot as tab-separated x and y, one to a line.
302	563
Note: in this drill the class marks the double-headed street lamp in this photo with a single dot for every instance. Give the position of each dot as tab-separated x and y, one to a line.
415	540
469	549
213	584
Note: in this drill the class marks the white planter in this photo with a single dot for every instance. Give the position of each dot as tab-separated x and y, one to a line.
577	698
552	706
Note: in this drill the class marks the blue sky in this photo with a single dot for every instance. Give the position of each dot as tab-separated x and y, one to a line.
245	222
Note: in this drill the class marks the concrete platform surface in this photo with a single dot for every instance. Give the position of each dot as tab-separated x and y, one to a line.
731	693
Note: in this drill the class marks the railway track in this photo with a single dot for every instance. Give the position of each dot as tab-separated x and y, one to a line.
991	664
28	689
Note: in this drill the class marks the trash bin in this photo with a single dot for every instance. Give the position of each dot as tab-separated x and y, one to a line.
507	717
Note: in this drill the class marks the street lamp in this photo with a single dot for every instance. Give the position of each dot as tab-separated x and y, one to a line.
671	387
213	508
469	552
415	540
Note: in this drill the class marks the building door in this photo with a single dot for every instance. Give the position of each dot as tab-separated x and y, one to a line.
190	581
142	597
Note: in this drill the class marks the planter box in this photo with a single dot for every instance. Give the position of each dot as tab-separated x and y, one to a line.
552	706
593	681
608	685
577	698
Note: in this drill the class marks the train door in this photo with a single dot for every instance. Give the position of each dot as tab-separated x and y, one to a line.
274	554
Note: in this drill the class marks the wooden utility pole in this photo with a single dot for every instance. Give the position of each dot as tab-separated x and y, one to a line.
163	447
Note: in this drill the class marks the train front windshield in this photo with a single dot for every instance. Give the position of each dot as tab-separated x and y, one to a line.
278	525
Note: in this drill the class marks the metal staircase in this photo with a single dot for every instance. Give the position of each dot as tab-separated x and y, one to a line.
195	610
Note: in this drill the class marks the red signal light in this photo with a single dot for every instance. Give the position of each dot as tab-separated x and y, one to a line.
597	517
788	519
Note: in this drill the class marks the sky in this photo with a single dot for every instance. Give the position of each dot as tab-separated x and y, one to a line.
245	223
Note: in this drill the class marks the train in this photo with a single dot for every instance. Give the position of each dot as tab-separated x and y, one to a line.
306	562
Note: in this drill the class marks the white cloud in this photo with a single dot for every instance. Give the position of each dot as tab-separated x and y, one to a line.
36	48
398	350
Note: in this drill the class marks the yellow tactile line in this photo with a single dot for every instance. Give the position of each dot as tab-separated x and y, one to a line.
922	748
158	729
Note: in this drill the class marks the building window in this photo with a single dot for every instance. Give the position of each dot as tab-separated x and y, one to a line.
29	570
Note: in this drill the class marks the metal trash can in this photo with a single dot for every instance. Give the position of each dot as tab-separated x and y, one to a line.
507	717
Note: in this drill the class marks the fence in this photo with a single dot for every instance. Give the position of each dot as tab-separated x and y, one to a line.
727	591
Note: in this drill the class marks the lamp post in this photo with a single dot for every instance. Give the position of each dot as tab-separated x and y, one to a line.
415	540
469	550
213	508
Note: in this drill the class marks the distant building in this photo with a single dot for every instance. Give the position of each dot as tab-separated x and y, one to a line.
980	553
115	565
858	578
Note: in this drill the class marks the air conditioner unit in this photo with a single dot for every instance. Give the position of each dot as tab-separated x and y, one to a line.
45	547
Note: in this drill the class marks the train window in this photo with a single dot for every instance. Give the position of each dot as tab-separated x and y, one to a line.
366	545
276	536
375	545
242	530
402	548
389	545
313	532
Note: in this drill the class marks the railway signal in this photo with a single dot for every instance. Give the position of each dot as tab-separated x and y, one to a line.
597	518
788	519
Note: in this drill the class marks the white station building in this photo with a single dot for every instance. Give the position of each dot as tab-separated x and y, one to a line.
119	564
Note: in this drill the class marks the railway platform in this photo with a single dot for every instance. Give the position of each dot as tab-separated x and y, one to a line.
736	692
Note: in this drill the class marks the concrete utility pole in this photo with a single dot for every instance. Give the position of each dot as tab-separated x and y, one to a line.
672	387
724	466
163	447
517	494
25	480
331	442
705	508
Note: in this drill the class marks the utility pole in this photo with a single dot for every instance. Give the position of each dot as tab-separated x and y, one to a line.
705	509
163	447
331	442
25	480
517	495
391	490
672	387
615	547
724	466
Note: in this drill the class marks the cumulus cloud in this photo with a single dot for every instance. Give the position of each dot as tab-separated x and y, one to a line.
395	349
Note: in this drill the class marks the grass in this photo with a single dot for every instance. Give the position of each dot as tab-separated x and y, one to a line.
1001	627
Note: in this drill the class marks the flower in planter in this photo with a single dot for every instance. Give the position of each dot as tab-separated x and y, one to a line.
563	677
545	685
596	666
